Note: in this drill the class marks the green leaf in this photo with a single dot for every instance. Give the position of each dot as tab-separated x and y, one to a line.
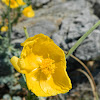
22	82
31	96
1	37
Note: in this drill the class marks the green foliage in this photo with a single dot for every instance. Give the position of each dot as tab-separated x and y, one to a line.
31	96
28	2
22	82
6	52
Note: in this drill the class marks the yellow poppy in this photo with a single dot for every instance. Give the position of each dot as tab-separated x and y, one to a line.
44	66
28	11
4	28
14	3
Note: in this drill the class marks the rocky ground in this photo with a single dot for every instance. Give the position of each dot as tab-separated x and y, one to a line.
65	21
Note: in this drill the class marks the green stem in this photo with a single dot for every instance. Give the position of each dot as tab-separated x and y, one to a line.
29	96
9	24
16	18
26	33
82	39
24	77
27	36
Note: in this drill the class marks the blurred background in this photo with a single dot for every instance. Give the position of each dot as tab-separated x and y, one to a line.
64	21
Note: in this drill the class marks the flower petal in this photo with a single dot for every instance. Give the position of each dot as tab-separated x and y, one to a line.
14	61
14	3
42	45
35	50
28	11
33	83
48	85
4	28
32	39
63	79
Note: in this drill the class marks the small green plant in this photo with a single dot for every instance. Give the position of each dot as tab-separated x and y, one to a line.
6	52
10	15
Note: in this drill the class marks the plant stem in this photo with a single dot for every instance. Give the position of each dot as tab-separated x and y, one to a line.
82	39
26	33
17	18
86	68
91	82
27	36
29	96
24	77
9	24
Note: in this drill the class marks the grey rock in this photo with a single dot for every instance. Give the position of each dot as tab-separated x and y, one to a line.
47	20
65	25
16	98
34	27
7	79
64	9
8	70
97	79
39	3
87	49
73	28
46	3
44	26
84	88
6	97
17	87
94	1
95	6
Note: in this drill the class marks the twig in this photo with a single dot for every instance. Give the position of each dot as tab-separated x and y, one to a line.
85	68
91	82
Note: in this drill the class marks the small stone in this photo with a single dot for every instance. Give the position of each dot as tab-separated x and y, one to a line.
16	98
39	3
6	97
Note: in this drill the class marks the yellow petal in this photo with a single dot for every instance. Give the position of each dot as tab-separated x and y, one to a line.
27	41
14	61
32	61
4	28
20	2
28	11
33	83
34	39
39	54
42	45
63	79
14	3
48	85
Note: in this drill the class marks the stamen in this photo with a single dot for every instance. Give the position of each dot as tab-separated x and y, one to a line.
47	66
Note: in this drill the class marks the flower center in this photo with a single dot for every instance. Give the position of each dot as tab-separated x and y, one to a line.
47	66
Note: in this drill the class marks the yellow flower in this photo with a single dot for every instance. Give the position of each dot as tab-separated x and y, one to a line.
4	28
28	11
0	22
44	66
14	3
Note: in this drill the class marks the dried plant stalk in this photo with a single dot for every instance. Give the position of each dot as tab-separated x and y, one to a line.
91	82
90	77
85	68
